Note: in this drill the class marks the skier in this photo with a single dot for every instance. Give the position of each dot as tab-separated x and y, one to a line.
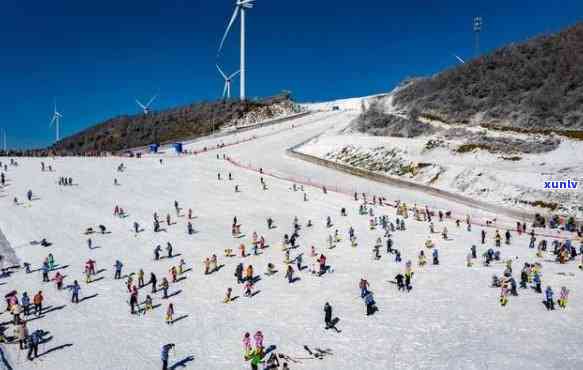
25	302
483	237
153	281
21	334
249	273
165	354
400	284
118	267
239	273
247	342
58	279
328	222
322	261
169	313
37	300
173	273
33	343
133	301
164	285
370	304
289	274
141	278
564	297
389	245
45	271
157	251
398	257
537	282
435	257
327	315
248	289
550	303
363	285
148	304
169	249
75	288
228	297
258	338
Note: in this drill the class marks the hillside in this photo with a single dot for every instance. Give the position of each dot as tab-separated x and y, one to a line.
194	120
535	85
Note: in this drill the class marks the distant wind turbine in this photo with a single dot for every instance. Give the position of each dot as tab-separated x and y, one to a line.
460	59
240	6
56	120
146	107
228	80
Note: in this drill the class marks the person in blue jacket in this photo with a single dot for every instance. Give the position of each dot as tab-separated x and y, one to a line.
75	288
45	271
118	266
33	342
550	303
435	257
537	282
370	303
165	354
25	301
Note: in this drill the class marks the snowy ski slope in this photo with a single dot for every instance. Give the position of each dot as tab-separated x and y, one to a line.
450	320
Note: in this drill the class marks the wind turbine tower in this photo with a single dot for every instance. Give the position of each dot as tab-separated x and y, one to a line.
56	121
240	6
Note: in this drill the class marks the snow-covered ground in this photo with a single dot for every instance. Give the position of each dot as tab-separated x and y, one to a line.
451	318
510	179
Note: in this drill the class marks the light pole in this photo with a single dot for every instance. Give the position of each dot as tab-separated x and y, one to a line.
477	30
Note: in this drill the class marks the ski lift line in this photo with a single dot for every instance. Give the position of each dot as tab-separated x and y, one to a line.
336	189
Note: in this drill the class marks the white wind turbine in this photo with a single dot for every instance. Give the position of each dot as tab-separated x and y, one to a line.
146	107
228	80
56	121
460	59
240	6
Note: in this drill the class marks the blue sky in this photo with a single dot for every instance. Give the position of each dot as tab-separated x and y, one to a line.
96	57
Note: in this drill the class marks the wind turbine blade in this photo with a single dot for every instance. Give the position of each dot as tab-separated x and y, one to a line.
235	13
460	59
140	104
233	75
151	100
221	72
52	121
225	90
